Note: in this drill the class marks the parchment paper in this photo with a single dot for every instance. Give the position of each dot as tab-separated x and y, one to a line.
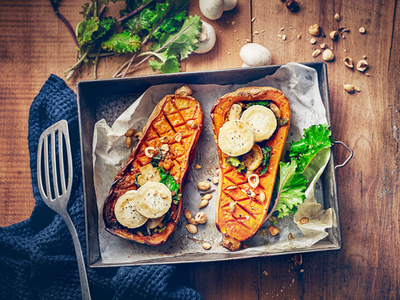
300	85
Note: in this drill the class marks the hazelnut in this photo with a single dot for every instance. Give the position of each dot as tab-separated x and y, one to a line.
362	30
328	55
348	62
188	214
200	218
316	53
206	246
323	46
313	41
273	230
337	17
164	148
192	124
178	137
164	139
203	185
150	152
203	203
206	197
253	180
293	5
192	221
130	132
334	35
191	228
314	30
128	142
362	65
215	180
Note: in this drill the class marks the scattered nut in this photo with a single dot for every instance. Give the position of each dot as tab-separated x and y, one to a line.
128	142
192	124
328	55
362	30
348	62
234	112
314	30
164	139
323	46
164	148
299	36
192	221
290	236
362	65
232	207
163	195
293	5
364	56
191	228
251	194
203	185
334	35
215	180
253	180
130	132
304	220
313	41
351	88
232	187
150	152
203	203
273	230
197	166
217	171
188	215
200	217
138	135
262	196
275	109
284	37
316	53
337	17
206	246
206	197
178	137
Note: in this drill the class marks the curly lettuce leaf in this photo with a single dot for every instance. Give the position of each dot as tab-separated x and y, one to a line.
315	138
165	63
122	42
292	186
85	31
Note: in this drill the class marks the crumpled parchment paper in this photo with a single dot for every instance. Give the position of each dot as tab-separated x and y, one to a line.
300	85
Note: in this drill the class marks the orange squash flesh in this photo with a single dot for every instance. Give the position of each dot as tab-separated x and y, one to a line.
179	113
238	215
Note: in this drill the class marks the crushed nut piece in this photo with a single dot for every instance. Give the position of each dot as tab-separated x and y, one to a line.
232	187
206	246
197	166
187	214
299	36
348	62
164	139
334	35
273	230
150	152
203	185
232	207
362	30
304	220
350	88
203	203
200	217
364	56
192	221
323	46
164	148
191	228
215	180
284	37
178	137
138	135
262	196
314	30
206	197
362	65
192	124
265	273
313	41
337	17
316	53
328	55
128	142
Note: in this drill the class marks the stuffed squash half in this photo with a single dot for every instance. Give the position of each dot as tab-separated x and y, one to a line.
145	201
250	129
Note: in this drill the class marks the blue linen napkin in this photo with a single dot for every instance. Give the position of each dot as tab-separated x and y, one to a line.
37	256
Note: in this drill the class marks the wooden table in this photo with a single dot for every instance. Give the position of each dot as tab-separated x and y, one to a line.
35	44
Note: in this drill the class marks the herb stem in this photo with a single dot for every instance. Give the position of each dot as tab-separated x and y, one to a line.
96	62
65	21
78	62
134	12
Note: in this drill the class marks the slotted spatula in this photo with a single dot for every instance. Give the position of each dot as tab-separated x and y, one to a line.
54	189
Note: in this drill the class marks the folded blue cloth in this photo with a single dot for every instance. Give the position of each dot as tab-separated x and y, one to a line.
37	256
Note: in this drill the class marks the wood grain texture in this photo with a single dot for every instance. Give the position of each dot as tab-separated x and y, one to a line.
36	44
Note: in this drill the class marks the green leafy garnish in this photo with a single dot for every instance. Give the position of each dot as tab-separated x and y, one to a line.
165	63
122	43
136	182
292	186
315	138
266	152
263	103
158	230
156	159
235	162
168	181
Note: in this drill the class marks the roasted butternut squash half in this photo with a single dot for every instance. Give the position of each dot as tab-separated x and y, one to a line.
250	128
145	201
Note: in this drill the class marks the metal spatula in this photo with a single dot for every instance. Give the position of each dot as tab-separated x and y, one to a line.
54	189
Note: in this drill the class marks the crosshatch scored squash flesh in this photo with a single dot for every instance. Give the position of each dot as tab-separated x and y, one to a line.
175	115
240	211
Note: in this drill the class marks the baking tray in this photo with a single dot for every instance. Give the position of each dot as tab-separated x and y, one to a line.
91	97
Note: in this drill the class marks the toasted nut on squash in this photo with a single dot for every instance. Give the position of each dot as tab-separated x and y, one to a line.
254	158
138	164
240	222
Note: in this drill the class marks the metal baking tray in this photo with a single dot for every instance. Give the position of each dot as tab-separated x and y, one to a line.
91	97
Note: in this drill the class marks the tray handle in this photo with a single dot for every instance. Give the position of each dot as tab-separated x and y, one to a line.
348	158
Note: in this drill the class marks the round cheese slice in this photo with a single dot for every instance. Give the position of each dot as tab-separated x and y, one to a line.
262	120
153	200
235	138
126	213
